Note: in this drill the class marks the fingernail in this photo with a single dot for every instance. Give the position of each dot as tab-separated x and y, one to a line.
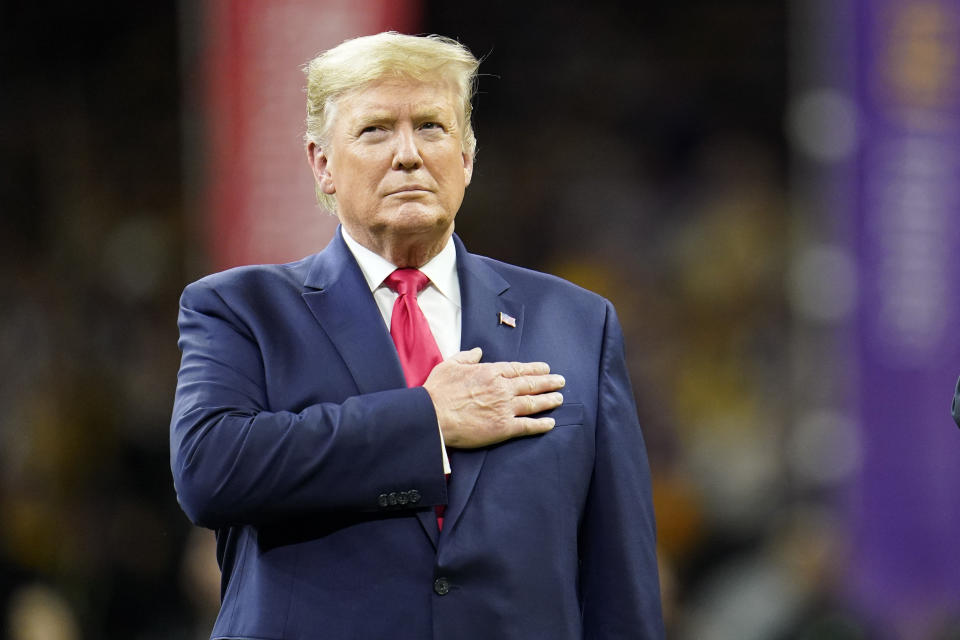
563	381
553	422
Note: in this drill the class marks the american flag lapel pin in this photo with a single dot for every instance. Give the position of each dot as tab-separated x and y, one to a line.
507	319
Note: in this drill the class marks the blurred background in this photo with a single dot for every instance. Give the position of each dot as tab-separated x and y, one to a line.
765	189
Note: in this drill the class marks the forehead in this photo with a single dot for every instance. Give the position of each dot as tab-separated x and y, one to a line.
396	96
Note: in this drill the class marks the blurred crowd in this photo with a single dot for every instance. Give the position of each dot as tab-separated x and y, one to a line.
637	150
92	543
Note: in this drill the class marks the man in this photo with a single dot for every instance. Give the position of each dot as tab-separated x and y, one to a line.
359	491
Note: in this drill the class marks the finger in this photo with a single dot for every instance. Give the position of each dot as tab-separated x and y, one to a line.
517	369
533	426
528	405
468	357
532	385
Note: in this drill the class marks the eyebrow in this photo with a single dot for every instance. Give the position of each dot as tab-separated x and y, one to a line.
420	112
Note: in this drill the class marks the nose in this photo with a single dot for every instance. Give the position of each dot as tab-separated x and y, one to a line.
406	156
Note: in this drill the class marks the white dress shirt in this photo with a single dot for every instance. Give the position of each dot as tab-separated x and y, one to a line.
439	300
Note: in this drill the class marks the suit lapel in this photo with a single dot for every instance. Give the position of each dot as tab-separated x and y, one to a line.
339	298
483	296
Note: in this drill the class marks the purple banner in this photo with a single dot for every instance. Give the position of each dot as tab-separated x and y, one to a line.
905	506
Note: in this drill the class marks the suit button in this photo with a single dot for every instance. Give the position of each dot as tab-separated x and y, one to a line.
441	586
403	497
382	500
392	499
414	496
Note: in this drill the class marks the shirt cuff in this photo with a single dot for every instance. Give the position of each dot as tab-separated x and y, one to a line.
446	460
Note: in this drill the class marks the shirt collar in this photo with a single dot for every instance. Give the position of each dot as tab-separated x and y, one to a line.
442	268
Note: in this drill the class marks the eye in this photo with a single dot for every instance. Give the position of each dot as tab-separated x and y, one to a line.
436	126
372	133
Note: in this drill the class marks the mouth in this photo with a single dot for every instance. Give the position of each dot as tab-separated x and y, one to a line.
410	189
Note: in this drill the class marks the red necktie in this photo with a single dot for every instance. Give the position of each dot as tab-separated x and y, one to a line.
416	346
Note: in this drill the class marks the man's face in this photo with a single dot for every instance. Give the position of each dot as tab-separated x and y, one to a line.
395	162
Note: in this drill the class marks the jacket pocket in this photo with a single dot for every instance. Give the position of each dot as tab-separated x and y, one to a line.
566	415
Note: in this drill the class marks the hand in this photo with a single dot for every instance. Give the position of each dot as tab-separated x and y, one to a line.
484	403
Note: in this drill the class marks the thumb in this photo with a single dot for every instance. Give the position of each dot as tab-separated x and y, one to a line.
468	357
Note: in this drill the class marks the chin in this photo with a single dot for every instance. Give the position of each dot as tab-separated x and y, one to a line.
415	220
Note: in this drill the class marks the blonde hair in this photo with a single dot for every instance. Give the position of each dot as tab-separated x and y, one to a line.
358	62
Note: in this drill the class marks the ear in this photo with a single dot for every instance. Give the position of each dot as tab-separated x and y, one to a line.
467	168
320	165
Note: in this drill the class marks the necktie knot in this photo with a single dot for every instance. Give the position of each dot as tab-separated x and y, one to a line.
407	281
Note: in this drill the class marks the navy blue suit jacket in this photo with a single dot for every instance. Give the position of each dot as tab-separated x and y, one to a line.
294	437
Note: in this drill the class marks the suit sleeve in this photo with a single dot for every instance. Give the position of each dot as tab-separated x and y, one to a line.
234	462
619	581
